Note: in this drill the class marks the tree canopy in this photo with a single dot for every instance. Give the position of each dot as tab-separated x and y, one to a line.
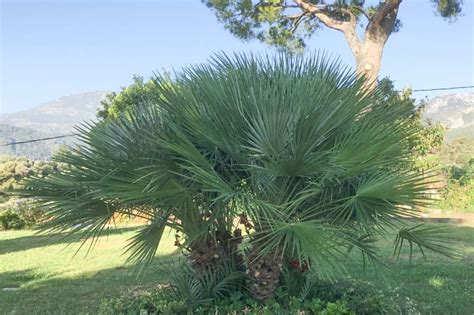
288	24
139	92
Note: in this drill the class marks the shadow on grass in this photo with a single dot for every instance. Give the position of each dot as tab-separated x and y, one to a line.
42	240
13	280
54	294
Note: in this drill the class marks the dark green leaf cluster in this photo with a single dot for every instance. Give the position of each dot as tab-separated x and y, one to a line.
117	104
448	9
274	22
19	214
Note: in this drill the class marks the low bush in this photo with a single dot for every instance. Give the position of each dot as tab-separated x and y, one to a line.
341	298
156	304
220	293
457	197
19	214
458	194
11	220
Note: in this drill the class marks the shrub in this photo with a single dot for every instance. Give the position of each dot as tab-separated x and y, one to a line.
340	297
11	220
19	214
214	292
311	165
155	304
458	194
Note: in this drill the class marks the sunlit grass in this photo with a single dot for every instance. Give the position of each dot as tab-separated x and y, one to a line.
50	279
436	282
53	277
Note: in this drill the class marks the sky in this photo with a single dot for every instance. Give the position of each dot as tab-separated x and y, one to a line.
49	49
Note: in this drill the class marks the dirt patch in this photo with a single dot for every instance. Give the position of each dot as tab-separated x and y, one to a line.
461	218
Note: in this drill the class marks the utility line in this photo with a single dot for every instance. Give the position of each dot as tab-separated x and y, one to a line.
71	135
445	88
36	140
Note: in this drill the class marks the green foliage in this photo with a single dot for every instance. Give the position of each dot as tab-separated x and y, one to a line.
458	194
454	159
155	305
11	220
201	287
286	25
14	169
19	214
28	259
116	104
458	197
266	21
430	136
431	151
315	167
324	297
448	9
463	175
423	236
429	139
457	152
224	292
426	145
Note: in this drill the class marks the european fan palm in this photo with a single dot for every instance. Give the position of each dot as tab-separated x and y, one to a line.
292	146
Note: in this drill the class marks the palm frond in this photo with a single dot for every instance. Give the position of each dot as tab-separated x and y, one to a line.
143	245
434	238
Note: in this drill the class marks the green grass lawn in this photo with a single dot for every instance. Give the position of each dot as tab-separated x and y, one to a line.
51	280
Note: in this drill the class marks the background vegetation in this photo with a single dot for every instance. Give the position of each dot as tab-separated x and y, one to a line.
19	213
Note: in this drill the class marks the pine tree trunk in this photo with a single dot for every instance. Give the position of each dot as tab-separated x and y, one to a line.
368	60
367	51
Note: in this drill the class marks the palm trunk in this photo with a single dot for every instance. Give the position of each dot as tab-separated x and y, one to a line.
223	247
264	274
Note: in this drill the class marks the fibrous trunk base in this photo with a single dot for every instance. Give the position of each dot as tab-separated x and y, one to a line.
264	273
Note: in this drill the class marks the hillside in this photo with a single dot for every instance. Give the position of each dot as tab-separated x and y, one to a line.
455	111
54	118
57	116
41	150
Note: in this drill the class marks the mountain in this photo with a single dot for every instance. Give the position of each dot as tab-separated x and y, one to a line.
455	111
54	118
57	116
